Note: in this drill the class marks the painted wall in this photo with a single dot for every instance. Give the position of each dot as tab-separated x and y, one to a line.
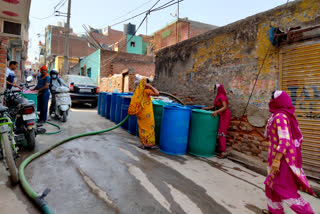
92	63
137	40
59	61
232	55
3	62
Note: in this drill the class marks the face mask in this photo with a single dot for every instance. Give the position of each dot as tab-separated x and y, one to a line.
54	76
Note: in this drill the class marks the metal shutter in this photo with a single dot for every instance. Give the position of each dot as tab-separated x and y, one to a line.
300	78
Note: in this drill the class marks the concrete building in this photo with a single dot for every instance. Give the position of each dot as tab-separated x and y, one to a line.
131	43
233	54
14	25
55	43
178	31
106	37
105	63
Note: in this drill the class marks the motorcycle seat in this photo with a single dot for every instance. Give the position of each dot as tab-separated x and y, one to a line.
3	109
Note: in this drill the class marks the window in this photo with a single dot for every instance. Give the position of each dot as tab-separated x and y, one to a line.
89	72
12	28
133	44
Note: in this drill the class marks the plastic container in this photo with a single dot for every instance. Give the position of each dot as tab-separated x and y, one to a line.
113	106
124	111
195	106
119	100
99	101
175	130
32	97
132	124
108	105
157	111
103	103
203	133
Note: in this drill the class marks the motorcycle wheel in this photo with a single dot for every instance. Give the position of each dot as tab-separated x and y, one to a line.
64	116
31	139
9	159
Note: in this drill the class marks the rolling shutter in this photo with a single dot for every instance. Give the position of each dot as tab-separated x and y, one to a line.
300	78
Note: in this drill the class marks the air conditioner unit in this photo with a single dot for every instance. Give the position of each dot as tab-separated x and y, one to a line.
10	28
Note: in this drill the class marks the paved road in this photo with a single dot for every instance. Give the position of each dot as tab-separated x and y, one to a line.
109	174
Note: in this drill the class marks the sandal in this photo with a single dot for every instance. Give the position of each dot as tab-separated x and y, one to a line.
264	211
152	147
142	147
222	155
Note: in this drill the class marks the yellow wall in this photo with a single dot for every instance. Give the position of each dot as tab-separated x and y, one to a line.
59	62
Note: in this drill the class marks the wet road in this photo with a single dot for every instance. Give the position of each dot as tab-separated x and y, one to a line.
108	174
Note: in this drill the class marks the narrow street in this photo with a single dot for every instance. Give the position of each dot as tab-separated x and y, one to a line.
109	174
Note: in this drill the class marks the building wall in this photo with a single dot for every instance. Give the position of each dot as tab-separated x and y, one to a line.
117	81
109	38
232	55
137	47
92	63
115	62
3	62
78	46
59	61
75	70
179	31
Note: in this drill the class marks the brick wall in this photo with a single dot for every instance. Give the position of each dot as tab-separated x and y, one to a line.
3	62
109	84
111	37
232	55
179	31
115	62
78	46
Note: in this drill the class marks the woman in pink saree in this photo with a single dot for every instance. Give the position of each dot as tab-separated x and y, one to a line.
221	104
285	173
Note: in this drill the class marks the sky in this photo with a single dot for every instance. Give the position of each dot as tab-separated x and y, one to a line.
101	13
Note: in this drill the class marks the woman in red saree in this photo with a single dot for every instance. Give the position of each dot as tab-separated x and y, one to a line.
285	173
221	104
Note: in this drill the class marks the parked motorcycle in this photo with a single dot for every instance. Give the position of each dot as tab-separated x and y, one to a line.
9	151
23	114
62	103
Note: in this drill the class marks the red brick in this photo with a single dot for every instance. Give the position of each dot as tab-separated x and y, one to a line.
3	51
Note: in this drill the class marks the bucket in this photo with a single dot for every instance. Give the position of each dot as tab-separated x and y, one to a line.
203	133
174	130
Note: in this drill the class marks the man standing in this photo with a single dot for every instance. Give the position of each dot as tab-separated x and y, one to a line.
10	75
42	89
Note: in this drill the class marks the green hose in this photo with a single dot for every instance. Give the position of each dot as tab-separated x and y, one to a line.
39	199
55	125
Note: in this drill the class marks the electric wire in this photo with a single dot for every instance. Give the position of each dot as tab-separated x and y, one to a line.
147	11
132	10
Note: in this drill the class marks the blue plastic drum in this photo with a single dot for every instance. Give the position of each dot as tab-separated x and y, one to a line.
132	124
99	101
108	105
124	111
175	129
113	106
103	104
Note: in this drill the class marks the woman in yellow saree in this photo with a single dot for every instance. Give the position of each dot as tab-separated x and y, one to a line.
141	105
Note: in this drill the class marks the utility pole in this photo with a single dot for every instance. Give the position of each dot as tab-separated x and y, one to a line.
66	47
